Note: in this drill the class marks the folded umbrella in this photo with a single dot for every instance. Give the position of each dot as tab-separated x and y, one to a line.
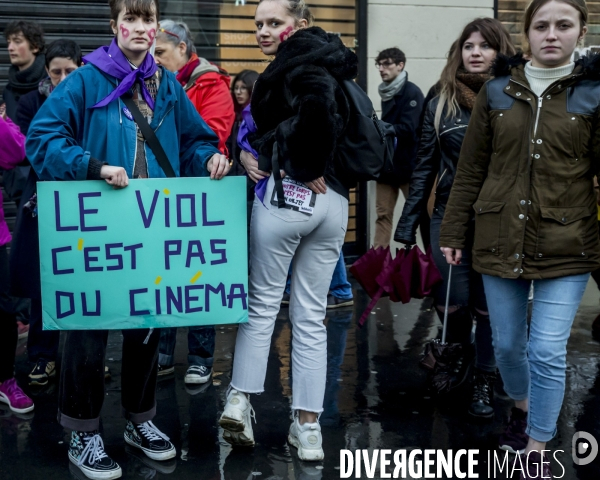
439	357
411	274
369	266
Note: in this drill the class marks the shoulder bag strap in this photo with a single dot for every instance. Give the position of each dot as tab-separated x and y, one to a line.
150	136
277	177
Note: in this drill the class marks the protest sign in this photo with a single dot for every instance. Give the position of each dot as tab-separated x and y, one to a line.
158	253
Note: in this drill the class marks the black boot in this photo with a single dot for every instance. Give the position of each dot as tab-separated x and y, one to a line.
482	403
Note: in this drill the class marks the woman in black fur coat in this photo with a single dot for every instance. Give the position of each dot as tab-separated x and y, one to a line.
300	113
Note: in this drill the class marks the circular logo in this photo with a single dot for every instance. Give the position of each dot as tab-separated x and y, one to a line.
312	439
413	103
585	448
234	401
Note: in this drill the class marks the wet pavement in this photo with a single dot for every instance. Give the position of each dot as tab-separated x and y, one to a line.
375	399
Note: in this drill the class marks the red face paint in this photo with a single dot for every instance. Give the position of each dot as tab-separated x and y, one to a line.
152	35
283	36
124	31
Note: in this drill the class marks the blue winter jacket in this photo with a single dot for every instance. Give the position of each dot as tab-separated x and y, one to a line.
66	132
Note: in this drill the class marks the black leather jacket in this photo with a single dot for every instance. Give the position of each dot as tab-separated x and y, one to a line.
434	157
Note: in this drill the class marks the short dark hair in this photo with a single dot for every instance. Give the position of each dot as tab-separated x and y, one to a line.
135	7
394	53
63	48
33	33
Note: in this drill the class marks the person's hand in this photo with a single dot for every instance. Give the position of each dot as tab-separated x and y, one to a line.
317	186
250	164
453	255
218	166
115	176
3	111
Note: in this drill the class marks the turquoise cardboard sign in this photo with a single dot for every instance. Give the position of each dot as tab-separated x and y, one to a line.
158	253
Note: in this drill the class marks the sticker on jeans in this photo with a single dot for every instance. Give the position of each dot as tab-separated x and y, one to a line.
297	196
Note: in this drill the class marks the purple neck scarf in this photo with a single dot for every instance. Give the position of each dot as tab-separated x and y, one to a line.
112	61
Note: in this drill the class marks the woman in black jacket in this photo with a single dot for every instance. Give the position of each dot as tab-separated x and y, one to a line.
63	56
446	118
300	112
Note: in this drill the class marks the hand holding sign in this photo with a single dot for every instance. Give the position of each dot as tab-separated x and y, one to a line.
218	166
115	176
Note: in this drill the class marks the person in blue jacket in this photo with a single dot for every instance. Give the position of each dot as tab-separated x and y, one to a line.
84	132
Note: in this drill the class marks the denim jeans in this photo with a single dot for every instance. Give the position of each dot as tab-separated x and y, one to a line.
534	368
314	241
201	346
340	286
82	390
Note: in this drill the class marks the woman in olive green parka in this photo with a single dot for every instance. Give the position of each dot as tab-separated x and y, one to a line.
526	175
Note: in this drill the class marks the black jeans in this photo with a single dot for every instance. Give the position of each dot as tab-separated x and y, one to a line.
466	290
8	322
81	391
41	344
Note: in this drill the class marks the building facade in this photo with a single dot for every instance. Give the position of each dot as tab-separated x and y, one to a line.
224	33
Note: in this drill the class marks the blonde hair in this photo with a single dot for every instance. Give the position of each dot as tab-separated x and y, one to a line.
495	34
299	10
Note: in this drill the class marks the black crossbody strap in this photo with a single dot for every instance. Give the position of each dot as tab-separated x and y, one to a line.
277	177
150	136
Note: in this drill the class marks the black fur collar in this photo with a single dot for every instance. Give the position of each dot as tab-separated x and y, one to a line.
504	64
312	46
588	66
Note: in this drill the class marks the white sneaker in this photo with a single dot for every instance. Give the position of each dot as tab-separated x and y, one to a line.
307	439
236	420
197	374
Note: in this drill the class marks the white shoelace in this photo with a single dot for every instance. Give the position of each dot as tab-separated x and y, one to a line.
150	431
94	449
198	369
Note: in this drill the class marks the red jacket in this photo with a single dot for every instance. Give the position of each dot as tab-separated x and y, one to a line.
209	92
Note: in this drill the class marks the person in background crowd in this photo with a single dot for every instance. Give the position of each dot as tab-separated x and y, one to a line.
62	58
26	52
401	106
241	92
530	182
207	86
596	273
446	119
12	152
300	113
79	133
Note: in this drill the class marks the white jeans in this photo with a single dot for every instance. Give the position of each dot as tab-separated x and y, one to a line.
314	241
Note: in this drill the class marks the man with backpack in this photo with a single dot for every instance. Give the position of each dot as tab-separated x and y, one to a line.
401	106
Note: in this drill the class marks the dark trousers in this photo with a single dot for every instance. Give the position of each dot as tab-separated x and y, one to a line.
81	391
8	322
41	344
201	346
466	292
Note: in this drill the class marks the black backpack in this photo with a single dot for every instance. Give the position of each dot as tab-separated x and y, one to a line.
366	149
